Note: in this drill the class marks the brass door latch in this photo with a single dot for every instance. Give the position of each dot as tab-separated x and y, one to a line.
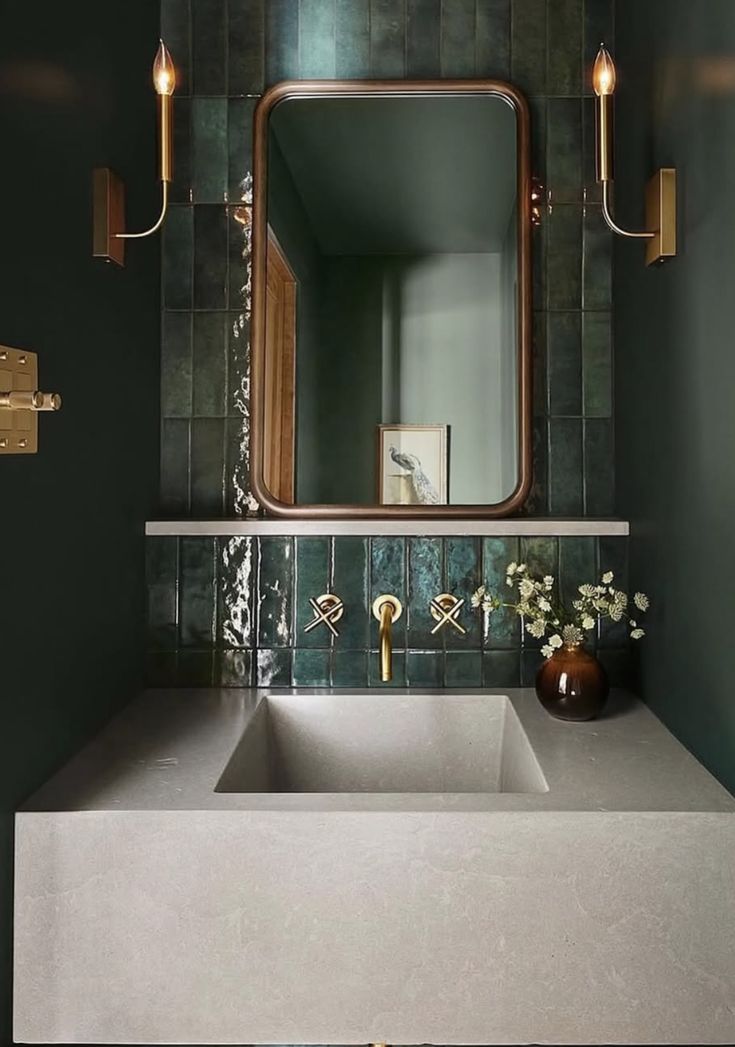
21	401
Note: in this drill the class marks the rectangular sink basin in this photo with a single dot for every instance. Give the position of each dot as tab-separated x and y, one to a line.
384	744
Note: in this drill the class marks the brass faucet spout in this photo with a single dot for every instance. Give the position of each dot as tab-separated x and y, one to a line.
387	609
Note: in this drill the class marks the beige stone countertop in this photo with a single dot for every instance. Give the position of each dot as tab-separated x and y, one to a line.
167	750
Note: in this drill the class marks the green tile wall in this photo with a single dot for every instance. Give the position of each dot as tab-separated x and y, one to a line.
227	52
230	612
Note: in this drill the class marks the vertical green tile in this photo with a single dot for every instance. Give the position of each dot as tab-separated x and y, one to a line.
209	47
613	556
245	46
161	577
528	45
233	668
540	402
275	592
350	583
317	39
531	662
387	39
310	667
577	566
597	261
197	597
273	668
565	363
239	145
599	467
537	503
564	149
565	467
597	364
195	668
238	263
349	668
598	29
210	363
178	249
352	39
236	582
399	670
209	148
462	567
424	669
501	629
493	39
539	137
176	365
463	669
161	669
237	467
501	669
424	583
541	555
238	364
589	135
181	187
175	442
281	41
539	262
210	257
564	252
458	38
176	31
423	37
565	47
311	580
388	576
207	467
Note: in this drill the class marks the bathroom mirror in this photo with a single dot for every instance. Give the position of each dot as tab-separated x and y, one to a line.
391	299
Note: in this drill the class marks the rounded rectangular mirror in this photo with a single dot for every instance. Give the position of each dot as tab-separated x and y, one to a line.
392	299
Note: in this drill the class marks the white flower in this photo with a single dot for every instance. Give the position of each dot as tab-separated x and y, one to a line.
536	628
588	622
521	568
490	604
526	587
548	582
572	635
547	650
607	577
641	601
511	569
476	598
636	634
544	604
587	590
555	641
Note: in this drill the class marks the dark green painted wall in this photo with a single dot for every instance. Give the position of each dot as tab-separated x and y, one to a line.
675	364
74	92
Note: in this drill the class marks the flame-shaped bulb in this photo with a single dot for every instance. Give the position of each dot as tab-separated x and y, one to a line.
164	72
603	74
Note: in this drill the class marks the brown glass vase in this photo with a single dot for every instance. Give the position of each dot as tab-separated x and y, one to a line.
572	685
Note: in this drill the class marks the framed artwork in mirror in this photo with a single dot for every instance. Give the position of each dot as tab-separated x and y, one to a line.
412	465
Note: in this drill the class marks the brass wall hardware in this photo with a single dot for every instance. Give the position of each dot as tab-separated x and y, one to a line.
538	198
108	189
328	609
660	234
387	609
21	402
445	610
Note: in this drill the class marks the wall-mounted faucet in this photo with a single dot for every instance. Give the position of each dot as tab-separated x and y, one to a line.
387	609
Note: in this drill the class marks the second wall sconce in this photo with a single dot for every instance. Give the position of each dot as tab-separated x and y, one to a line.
660	234
108	189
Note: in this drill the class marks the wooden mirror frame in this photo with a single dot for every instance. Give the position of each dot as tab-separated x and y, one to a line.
362	89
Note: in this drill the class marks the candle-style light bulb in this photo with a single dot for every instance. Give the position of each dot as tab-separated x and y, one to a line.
603	74
164	73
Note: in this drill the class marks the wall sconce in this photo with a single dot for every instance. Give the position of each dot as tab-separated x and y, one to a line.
108	189
661	190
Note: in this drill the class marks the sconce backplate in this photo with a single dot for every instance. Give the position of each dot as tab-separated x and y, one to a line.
661	215
108	205
18	429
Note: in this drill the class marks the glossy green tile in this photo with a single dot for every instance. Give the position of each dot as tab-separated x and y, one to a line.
161	581
178	252
539	137
176	365
577	566
238	258
210	256
161	669
161	560
181	187
197	592
537	503
210	364
531	662
424	669
539	262
501	629
463	575
175	444
399	670
236	572
281	41
492	49
597	364
565	47
458	38
541	555
207	467
176	31
238	364
237	474
275	592
273	668
564	257
239	146
598	28
463	669
565	467
350	583
311	667
589	133
540	403
565	363
387	39
209	149
352	39
195	668
425	556
233	668
317	39
597	261
245	46
209	46
612	555
388	576
564	149
349	668
311	580
528	45
423	39
599	467
501	669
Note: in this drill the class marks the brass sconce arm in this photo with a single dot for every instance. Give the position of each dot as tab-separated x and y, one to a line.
606	214
154	228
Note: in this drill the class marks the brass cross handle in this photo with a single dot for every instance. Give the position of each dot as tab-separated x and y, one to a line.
328	609
445	610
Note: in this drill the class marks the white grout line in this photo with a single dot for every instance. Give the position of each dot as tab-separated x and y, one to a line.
528	526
